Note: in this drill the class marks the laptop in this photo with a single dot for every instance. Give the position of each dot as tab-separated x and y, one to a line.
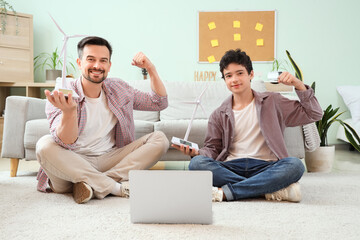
169	196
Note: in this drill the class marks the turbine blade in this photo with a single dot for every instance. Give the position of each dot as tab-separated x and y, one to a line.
63	48
77	35
202	93
203	109
57	25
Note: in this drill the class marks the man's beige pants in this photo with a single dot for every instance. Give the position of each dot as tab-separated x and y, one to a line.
65	167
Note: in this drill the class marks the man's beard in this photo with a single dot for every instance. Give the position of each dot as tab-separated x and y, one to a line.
87	77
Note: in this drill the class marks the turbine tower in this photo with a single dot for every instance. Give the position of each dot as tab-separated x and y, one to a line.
197	103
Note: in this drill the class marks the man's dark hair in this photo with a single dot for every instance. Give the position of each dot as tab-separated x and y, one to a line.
235	56
92	40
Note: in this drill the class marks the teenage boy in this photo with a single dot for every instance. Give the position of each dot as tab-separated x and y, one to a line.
244	146
92	145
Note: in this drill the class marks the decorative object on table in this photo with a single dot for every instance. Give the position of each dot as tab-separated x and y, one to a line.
185	141
273	77
4	6
144	73
63	87
52	63
278	66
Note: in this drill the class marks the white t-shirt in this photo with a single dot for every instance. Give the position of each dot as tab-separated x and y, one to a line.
98	136
248	141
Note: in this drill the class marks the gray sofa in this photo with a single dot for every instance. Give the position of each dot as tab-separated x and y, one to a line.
25	122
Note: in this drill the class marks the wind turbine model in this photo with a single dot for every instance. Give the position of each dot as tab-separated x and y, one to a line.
61	85
179	141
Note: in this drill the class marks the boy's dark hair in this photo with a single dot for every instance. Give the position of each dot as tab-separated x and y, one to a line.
92	40
235	56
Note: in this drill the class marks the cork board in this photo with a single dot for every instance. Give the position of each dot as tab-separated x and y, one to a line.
251	31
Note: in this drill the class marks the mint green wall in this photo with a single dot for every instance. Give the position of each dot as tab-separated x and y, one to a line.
322	36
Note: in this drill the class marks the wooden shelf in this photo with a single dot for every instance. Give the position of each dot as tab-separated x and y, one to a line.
32	90
26	84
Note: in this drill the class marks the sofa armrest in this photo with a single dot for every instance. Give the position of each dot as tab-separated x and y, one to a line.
19	110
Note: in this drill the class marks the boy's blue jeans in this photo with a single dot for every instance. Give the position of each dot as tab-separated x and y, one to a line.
248	177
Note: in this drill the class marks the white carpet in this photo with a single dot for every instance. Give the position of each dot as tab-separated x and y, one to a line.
330	209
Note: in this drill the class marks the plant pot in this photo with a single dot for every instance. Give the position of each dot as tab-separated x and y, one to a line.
52	74
320	160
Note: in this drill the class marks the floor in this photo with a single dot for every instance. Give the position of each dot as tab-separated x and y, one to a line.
345	161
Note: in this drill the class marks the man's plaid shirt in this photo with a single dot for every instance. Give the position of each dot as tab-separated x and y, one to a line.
122	100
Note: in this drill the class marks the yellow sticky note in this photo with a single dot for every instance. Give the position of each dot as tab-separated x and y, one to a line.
260	42
214	43
211	25
259	27
237	37
236	24
211	59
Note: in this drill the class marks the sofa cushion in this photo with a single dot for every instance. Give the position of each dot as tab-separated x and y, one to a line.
142	128
34	130
181	92
150	116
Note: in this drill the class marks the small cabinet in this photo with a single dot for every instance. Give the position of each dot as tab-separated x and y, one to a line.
14	65
16	57
16	49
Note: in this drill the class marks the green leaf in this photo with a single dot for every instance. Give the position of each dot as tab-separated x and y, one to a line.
329	117
349	135
353	132
298	72
313	85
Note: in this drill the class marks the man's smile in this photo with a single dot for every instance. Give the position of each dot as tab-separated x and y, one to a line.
96	72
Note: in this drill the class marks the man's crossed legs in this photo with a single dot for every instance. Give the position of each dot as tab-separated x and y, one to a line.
67	170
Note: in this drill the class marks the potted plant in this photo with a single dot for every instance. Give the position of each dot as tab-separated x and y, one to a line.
4	6
279	64
53	64
321	160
